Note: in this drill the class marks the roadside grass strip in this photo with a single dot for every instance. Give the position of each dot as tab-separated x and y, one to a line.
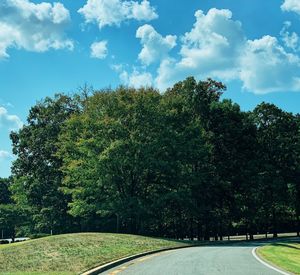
284	255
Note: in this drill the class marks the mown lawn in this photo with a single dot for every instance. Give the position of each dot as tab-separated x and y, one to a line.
74	253
284	255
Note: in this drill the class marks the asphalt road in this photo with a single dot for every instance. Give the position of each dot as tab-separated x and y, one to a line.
210	260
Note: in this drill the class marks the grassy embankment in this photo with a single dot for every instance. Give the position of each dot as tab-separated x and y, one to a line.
285	255
74	253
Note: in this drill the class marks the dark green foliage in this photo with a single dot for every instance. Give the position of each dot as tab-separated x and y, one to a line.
5	194
11	217
37	175
183	163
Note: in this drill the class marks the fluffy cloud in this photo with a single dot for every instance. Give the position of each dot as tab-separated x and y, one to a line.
136	79
33	27
267	67
155	46
4	155
216	47
212	48
214	41
114	12
99	49
12	122
291	5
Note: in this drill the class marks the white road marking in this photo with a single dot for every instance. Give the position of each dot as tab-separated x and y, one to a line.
266	264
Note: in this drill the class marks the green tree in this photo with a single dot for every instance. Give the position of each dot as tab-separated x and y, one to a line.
186	163
36	171
294	174
11	217
277	131
109	155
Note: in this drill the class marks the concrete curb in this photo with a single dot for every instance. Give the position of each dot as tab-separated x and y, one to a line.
102	268
267	264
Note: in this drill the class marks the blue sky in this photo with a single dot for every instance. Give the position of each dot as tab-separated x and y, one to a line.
57	46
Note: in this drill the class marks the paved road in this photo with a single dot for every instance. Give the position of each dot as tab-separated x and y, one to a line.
210	260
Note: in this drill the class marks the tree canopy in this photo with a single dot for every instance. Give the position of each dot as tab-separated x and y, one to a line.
183	163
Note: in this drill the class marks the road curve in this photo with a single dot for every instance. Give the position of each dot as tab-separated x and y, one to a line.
233	259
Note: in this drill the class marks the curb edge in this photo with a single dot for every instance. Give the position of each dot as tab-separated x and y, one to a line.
104	267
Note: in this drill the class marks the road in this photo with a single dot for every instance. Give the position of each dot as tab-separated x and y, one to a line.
234	259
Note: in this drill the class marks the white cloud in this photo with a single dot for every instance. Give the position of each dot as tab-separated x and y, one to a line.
12	122
4	155
290	40
114	12
33	27
136	79
99	49
217	47
214	41
211	49
155	46
291	5
168	73
267	67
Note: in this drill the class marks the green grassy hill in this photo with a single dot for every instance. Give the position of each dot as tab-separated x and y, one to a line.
74	253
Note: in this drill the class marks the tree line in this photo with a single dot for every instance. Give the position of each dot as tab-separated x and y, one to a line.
185	163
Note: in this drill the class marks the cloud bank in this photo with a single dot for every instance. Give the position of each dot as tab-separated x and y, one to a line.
33	27
291	5
216	46
114	12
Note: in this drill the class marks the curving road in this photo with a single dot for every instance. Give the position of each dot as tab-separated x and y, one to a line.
209	260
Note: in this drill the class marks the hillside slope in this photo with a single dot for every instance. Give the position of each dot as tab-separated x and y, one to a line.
74	253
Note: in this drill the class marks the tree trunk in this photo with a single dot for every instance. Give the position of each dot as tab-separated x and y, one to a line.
133	226
191	229
221	231
275	233
13	235
228	232
199	231
118	223
298	225
250	226
206	231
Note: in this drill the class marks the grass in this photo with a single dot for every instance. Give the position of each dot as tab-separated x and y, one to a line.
74	253
285	255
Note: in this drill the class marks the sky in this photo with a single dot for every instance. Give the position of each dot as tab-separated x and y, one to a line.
46	47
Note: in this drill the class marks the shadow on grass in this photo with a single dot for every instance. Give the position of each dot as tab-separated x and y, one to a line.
243	243
286	245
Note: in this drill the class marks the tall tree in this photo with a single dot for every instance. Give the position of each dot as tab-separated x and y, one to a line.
36	171
276	134
109	155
